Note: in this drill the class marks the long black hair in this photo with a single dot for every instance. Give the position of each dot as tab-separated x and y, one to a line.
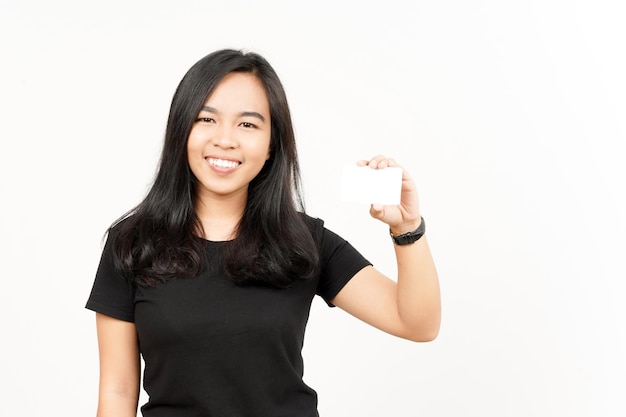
160	239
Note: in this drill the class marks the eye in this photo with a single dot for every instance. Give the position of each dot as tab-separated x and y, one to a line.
205	120
248	125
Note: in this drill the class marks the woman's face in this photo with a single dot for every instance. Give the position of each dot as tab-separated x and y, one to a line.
230	140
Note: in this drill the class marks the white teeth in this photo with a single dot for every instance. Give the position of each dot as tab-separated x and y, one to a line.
223	163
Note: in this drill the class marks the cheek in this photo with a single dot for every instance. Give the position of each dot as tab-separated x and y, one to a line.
194	154
194	145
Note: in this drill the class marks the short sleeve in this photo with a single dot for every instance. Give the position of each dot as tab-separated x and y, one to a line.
340	261
111	294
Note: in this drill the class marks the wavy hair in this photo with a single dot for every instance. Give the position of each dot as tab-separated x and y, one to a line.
160	238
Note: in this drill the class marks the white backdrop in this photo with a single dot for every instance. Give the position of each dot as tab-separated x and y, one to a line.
509	114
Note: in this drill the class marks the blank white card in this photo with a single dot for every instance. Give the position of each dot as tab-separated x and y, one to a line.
371	186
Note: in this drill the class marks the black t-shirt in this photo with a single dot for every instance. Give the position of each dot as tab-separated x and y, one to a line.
212	348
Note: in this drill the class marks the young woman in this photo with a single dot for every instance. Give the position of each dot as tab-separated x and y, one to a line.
212	276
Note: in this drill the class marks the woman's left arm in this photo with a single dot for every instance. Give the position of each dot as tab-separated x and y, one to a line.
409	307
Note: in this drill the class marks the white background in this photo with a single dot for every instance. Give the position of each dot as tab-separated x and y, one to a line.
509	114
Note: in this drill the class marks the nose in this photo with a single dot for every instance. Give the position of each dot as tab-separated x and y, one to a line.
225	137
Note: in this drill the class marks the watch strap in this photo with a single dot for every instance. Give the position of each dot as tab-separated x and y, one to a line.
409	237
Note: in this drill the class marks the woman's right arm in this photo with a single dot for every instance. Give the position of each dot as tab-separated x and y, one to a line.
119	367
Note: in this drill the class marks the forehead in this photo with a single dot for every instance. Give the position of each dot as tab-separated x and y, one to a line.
239	91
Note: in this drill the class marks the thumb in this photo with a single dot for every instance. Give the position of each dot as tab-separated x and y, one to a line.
377	211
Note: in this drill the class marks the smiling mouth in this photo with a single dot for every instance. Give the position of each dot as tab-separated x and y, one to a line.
222	163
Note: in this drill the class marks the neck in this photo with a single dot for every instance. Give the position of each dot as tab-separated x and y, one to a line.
220	215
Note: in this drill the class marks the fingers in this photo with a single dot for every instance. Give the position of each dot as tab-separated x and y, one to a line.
378	162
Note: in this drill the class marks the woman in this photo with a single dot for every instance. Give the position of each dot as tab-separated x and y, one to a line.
212	276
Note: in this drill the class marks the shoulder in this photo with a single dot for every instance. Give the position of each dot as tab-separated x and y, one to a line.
327	241
123	228
324	237
127	221
314	225
311	221
118	240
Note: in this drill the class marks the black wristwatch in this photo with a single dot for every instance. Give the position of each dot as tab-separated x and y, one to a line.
410	237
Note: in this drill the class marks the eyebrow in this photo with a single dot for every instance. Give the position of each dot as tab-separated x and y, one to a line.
242	114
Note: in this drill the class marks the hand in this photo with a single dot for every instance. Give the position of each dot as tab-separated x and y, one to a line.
404	217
